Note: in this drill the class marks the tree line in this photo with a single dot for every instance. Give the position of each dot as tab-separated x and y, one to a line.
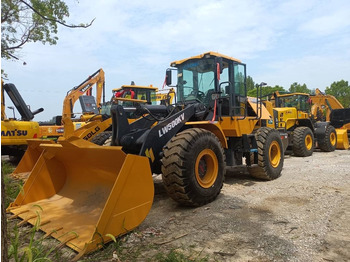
339	89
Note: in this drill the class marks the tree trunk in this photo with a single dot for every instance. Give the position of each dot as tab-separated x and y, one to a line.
4	236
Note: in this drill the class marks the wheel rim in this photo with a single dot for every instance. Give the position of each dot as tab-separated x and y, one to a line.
206	168
275	154
308	142
332	139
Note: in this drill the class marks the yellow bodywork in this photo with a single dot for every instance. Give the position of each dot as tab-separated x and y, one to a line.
30	157
288	116
227	127
323	104
79	192
55	131
15	132
211	53
32	154
342	138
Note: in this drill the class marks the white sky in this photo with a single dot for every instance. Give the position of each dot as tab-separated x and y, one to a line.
280	41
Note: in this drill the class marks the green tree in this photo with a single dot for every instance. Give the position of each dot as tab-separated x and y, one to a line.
297	88
250	83
266	90
341	90
31	21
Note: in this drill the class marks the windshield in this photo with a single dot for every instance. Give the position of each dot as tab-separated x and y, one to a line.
196	80
300	102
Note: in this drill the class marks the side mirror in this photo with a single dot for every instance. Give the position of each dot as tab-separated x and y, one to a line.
168	77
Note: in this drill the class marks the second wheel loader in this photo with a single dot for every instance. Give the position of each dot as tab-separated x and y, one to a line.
86	192
292	114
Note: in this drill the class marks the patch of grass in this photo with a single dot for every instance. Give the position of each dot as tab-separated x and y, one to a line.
27	244
105	253
6	167
12	187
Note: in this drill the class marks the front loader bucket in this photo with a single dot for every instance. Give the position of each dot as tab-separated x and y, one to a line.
342	138
78	192
29	158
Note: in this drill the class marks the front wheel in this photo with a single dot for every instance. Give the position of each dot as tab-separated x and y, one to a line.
193	167
329	142
103	139
270	155
303	141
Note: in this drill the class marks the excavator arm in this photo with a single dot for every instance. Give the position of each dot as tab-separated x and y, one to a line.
323	104
85	87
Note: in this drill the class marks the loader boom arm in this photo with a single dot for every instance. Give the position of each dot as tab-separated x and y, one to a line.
139	136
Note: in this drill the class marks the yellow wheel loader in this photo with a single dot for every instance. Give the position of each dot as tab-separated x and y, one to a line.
292	114
81	192
14	133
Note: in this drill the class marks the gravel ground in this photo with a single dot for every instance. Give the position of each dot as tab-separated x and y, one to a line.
302	216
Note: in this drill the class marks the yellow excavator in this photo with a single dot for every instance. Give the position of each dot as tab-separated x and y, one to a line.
15	132
292	112
80	193
322	105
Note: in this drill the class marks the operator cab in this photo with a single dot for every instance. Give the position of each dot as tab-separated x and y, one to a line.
136	94
300	101
211	78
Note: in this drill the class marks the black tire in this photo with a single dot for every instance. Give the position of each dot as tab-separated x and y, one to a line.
329	142
270	155
193	167
102	139
303	141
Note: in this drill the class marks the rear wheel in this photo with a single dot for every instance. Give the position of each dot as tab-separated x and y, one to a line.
193	167
270	155
329	142
103	139
303	141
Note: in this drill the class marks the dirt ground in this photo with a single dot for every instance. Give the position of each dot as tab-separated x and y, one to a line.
302	216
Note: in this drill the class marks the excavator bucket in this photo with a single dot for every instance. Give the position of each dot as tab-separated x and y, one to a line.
79	193
29	158
342	138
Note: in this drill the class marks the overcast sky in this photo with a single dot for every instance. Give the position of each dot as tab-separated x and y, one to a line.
280	41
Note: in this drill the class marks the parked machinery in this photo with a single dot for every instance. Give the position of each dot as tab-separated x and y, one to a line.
14	132
94	125
98	190
292	113
327	108
322	105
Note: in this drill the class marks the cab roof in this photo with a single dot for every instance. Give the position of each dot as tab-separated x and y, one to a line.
210	53
135	87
